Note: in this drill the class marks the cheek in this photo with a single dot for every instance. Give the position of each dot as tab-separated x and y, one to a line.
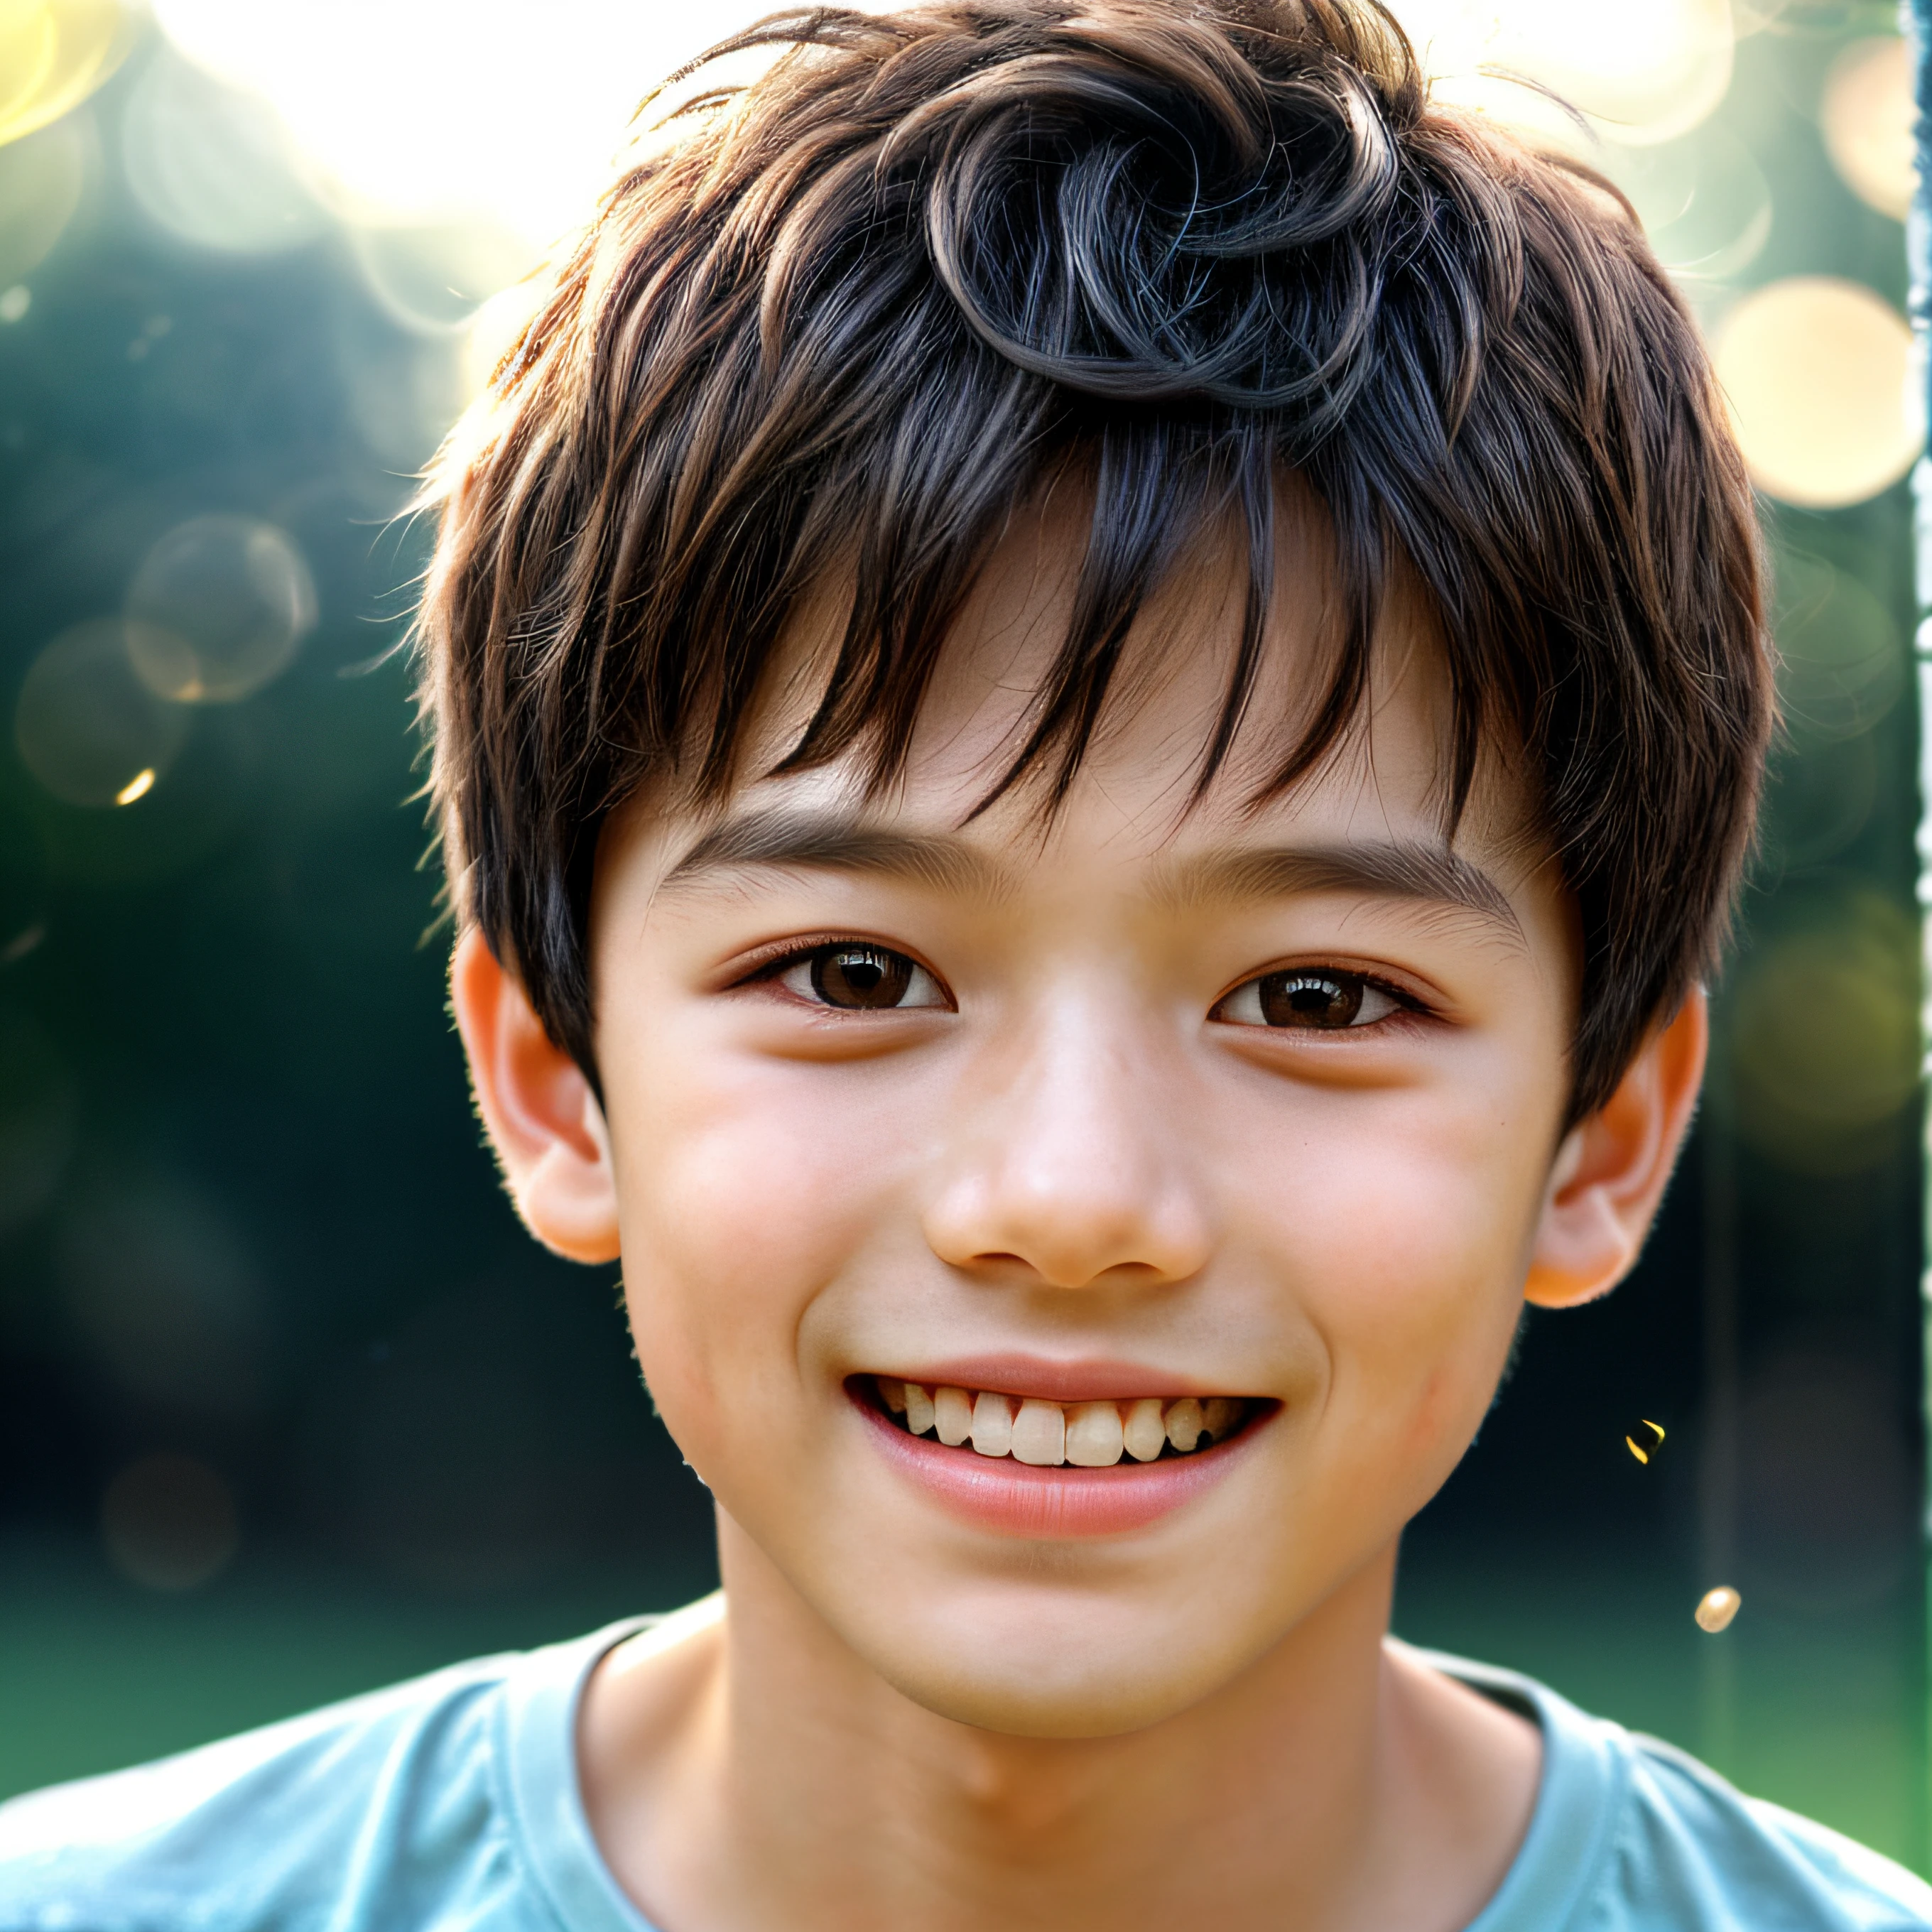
746	1187
1404	1222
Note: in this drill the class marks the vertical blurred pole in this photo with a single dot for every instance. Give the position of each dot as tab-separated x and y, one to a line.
1717	1500
1916	19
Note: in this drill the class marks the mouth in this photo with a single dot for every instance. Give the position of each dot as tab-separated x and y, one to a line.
1048	1435
1032	1467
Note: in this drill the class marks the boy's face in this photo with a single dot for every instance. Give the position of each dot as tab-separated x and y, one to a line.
1154	1103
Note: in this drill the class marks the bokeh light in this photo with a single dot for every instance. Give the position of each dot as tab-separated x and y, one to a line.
1643	72
54	54
1820	376
86	725
218	609
1867	115
165	1294
1826	1042
213	164
1704	202
41	181
1717	1609
169	1522
433	278
1842	663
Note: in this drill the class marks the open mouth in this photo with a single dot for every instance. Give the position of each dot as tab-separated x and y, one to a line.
1049	1435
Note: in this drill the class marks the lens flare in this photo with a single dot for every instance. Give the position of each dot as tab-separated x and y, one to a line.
218	609
88	728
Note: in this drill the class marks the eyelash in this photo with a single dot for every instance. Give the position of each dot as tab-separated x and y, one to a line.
1400	1003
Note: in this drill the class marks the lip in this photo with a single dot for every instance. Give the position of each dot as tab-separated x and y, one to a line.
1049	1505
1091	1380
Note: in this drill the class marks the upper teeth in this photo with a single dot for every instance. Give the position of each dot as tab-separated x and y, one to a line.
1091	1434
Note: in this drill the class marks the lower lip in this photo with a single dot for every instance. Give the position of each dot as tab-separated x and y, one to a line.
1021	1499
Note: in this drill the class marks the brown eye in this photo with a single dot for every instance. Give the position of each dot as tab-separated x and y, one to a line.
861	976
1311	999
858	978
1308	999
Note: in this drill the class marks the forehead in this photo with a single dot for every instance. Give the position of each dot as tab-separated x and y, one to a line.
1136	794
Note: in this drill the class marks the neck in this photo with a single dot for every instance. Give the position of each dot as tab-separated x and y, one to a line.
757	1772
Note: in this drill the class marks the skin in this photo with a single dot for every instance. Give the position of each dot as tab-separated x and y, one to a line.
1082	1145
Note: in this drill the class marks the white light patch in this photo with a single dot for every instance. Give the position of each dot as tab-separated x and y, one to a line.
1643	71
420	108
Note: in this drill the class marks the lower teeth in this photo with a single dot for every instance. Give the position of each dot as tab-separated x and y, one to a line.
1091	1435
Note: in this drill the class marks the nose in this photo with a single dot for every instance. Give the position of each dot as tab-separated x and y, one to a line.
1069	1155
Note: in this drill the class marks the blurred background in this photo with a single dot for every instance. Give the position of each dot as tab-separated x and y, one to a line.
290	1407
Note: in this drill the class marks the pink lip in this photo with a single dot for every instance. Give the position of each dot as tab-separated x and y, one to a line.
1023	1376
1051	1504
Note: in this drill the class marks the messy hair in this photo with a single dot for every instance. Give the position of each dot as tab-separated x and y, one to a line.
872	301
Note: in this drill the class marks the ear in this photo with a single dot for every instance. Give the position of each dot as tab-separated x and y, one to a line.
543	1119
1610	1172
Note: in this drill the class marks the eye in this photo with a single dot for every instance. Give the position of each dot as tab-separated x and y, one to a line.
1310	999
854	977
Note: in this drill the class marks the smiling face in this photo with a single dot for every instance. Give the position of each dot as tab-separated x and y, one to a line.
1061	1126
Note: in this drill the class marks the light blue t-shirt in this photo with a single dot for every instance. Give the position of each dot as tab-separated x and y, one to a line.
452	1802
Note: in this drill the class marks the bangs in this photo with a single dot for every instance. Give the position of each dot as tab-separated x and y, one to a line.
1158	554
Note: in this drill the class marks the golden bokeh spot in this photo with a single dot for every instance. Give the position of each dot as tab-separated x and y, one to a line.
139	786
1716	1608
1826	1049
1822	382
54	54
1867	117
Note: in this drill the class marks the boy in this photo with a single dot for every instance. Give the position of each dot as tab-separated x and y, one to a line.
1098	686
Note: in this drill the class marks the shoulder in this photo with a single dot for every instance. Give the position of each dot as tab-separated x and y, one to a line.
384	1811
1631	1835
1690	1839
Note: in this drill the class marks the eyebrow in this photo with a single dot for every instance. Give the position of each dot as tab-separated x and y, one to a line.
836	841
1402	869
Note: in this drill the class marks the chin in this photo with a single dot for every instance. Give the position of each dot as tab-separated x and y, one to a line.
1036	1674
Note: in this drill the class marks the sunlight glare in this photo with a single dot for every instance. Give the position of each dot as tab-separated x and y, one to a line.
415	110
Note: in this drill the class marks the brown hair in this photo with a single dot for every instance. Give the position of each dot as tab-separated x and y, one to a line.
875	297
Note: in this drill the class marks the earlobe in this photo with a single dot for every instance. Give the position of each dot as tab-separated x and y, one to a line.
1610	1173
542	1116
